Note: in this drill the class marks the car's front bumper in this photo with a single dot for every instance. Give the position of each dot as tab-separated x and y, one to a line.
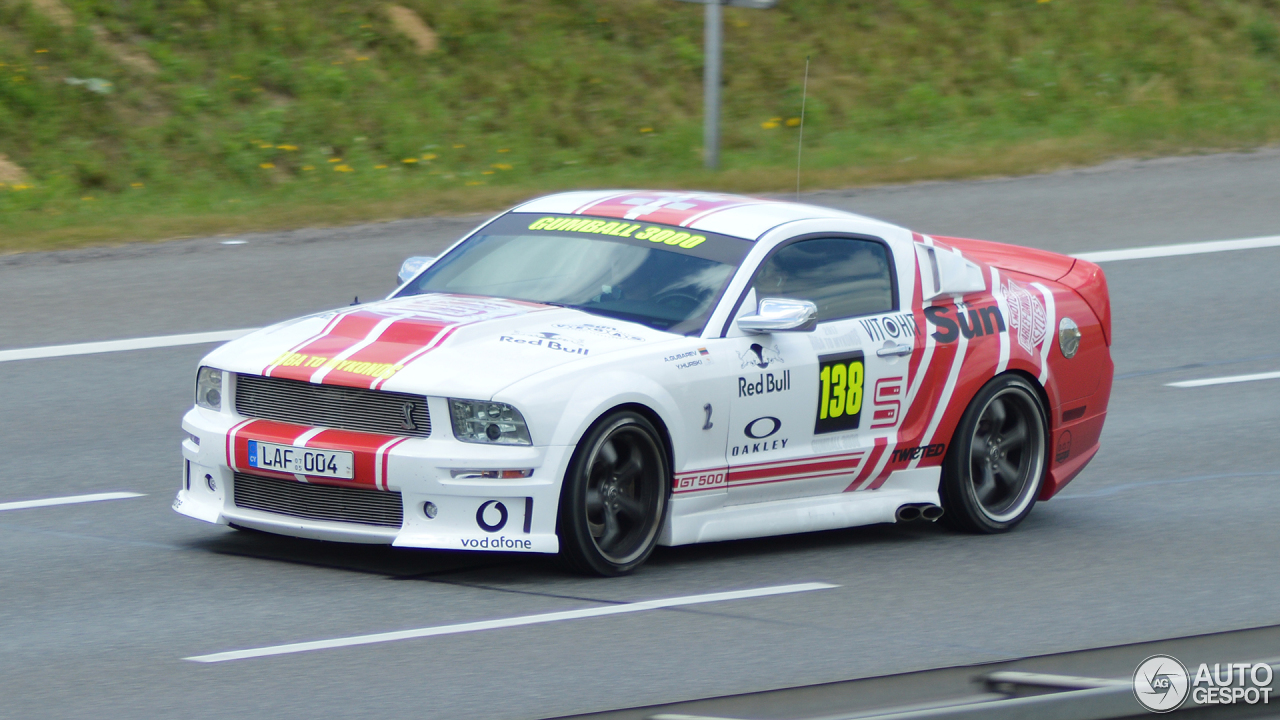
517	515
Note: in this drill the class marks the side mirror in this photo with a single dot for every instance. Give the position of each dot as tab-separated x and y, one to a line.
781	315
412	266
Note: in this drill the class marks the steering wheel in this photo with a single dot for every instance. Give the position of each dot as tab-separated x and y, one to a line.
678	301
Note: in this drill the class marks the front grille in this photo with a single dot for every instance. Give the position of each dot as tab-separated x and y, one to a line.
318	502
332	406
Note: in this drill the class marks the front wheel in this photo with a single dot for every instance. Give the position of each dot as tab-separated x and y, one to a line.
614	496
997	460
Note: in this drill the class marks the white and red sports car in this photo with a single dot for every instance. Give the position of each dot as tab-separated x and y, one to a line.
596	373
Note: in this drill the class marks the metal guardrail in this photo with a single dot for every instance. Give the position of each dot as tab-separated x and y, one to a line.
1018	696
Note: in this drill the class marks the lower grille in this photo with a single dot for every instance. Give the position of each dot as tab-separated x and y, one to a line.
319	502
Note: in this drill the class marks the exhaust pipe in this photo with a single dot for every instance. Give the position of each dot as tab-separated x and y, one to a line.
925	511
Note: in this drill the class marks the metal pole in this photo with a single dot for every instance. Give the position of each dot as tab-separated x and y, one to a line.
711	85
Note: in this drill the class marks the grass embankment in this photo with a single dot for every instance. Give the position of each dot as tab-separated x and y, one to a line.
137	119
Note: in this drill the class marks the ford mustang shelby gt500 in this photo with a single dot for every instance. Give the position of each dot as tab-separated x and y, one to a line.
596	373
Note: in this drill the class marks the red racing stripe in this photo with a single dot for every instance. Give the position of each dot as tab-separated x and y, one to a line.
872	458
369	451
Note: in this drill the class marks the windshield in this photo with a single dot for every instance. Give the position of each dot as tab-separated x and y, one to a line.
665	277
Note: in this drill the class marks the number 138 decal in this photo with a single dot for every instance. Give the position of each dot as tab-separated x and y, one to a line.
840	379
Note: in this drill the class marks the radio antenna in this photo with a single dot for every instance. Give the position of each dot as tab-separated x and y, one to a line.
804	97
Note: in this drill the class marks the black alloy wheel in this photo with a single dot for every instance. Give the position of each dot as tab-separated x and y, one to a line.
614	496
998	458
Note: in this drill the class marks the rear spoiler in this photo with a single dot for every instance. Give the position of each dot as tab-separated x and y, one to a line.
1086	278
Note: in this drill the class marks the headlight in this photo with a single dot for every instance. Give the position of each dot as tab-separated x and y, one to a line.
479	421
209	388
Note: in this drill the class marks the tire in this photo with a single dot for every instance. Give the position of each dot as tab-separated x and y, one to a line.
998	458
614	497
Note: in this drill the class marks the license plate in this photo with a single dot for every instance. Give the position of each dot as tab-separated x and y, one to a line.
301	461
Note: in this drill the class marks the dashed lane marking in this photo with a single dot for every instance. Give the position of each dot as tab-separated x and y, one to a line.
68	500
146	343
1225	380
1195	248
509	622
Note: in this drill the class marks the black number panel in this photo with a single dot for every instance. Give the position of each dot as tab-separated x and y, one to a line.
840	380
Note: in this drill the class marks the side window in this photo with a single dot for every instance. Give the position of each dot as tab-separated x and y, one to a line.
844	277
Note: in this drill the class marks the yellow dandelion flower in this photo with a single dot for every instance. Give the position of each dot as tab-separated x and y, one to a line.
646	129
266	166
769	125
308	167
342	168
487	172
409	161
41	50
429	156
136	185
500	166
379	167
474	182
22	186
503	150
289	148
366	25
361	58
335	160
87	198
265	146
458	146
337	62
793	122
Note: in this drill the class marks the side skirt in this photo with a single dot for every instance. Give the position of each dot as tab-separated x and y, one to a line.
797	515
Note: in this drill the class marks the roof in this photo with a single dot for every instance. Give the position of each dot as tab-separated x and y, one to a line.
736	215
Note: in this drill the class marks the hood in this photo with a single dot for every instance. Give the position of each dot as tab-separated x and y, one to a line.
454	345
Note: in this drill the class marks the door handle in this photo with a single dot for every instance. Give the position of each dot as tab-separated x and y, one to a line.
894	350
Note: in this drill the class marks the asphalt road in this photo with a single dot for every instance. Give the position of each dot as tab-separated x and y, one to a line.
1170	532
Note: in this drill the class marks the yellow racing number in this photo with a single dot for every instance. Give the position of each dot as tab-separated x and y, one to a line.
840	392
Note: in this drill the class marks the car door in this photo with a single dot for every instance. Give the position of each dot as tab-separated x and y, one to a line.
809	405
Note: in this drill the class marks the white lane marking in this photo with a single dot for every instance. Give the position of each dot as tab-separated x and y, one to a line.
1225	380
69	500
146	343
1195	248
509	622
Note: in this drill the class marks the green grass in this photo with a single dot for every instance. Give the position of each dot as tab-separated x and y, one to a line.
250	105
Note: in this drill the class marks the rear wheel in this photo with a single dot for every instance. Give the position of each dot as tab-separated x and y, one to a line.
997	460
614	496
